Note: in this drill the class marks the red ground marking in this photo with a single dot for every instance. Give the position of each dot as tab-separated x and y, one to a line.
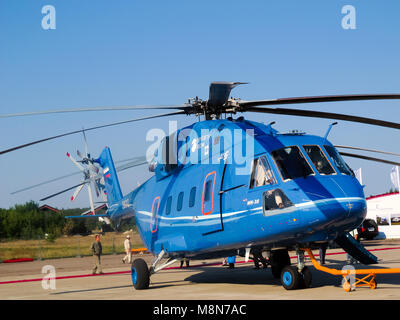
169	268
18	260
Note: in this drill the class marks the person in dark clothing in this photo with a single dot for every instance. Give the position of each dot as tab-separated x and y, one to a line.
97	250
186	260
258	258
322	252
231	261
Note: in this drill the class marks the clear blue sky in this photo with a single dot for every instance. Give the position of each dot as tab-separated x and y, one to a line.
112	53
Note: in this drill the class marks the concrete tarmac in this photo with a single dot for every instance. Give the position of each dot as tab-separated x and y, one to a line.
198	282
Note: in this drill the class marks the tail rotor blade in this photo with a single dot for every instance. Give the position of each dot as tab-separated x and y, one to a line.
91	197
80	155
75	195
93	168
75	162
96	188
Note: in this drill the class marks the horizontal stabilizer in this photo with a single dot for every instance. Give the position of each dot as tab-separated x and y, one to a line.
356	249
89	213
88	216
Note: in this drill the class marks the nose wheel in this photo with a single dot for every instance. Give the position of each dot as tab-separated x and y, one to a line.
292	278
296	277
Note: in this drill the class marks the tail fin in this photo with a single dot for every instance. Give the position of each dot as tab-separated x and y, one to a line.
111	183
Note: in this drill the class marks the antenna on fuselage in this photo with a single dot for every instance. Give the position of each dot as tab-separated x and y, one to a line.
269	126
329	130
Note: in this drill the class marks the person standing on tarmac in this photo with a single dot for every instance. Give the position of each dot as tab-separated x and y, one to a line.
322	252
258	258
128	249
97	250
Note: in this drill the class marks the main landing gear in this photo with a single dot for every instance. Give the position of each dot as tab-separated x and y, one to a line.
140	273
292	277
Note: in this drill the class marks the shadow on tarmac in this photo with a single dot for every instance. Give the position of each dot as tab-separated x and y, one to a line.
249	276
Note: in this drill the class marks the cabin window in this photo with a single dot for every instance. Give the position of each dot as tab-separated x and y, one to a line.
207	198
338	161
154	215
262	174
319	159
168	205
207	190
180	201
291	163
275	200
192	197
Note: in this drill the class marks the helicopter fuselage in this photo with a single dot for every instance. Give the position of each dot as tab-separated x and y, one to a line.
291	189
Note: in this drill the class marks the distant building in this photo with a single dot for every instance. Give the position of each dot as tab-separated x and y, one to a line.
46	207
385	210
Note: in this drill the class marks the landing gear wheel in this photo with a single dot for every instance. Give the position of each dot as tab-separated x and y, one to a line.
290	278
306	278
373	284
279	259
346	286
140	274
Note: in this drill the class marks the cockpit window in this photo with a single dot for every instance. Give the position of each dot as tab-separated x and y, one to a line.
262	174
319	159
275	199
338	161
291	163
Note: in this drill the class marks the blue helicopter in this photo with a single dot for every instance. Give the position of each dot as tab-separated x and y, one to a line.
224	187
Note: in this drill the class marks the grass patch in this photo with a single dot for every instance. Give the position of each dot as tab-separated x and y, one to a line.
66	246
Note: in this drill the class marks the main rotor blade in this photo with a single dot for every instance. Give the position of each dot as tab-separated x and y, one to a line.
118	108
46	182
325	115
60	192
88	129
138	158
86	144
359	156
369	150
314	99
220	91
130	163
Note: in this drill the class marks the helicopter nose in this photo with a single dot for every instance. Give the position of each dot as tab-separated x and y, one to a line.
340	199
353	195
353	203
357	209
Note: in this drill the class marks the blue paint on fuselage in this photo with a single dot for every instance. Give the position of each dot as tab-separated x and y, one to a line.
323	205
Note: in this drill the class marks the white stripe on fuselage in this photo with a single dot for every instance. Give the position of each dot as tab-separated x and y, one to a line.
302	205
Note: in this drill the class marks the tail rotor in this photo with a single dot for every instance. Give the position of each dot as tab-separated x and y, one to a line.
90	170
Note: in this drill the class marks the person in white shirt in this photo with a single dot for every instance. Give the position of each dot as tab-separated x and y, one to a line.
128	249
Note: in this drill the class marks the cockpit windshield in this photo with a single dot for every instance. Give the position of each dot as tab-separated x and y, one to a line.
319	159
338	161
262	174
291	163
